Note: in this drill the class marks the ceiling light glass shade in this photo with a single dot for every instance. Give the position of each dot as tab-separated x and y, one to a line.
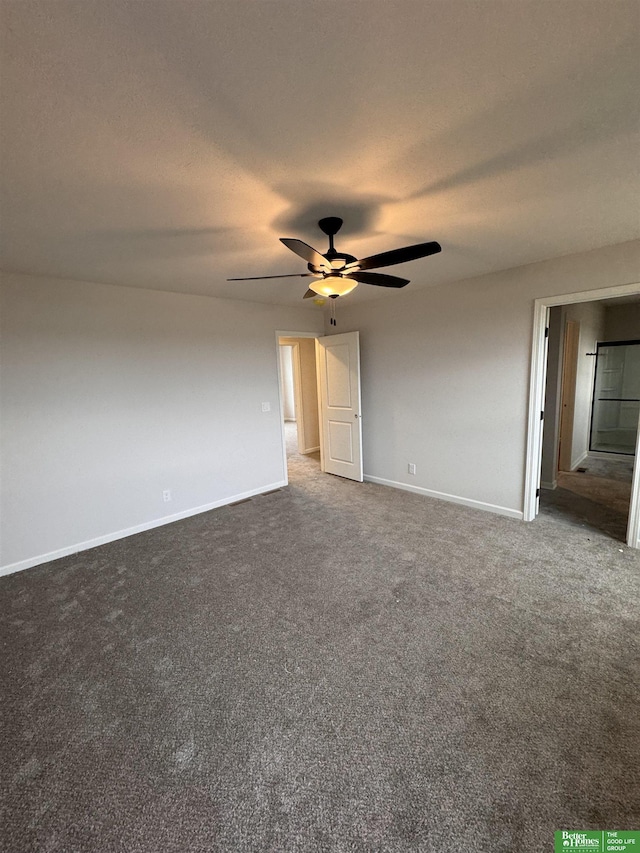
333	285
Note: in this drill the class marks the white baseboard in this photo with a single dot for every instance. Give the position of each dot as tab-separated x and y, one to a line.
430	493
615	457
546	485
131	531
579	461
310	450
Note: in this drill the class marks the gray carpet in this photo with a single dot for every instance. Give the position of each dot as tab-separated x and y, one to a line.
596	496
331	667
617	469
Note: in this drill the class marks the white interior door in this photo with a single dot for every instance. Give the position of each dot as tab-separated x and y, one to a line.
338	363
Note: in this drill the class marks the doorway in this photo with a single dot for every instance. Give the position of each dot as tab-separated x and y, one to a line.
299	398
567	473
320	402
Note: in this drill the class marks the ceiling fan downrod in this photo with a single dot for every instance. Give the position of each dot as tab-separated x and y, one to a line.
330	225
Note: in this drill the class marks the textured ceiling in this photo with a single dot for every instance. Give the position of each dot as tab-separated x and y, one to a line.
169	144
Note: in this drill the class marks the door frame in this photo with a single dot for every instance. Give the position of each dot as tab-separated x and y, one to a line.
287	334
570	347
536	401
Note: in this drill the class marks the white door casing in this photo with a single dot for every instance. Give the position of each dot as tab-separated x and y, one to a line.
545	347
338	364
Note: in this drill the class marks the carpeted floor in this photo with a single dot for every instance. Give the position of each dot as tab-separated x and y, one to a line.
596	497
331	667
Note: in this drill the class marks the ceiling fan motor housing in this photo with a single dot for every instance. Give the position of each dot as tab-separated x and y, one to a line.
337	260
330	225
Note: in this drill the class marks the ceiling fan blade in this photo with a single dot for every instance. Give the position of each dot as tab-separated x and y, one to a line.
286	275
398	256
379	279
309	294
303	251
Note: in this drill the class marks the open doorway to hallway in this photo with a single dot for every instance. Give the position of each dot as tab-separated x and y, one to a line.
324	383
299	389
591	412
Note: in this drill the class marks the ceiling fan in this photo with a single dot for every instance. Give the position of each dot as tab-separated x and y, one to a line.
337	274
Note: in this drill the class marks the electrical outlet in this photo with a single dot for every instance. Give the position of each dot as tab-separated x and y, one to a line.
166	495
266	407
411	468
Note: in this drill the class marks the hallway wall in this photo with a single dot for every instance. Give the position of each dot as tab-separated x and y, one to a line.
591	316
622	322
286	374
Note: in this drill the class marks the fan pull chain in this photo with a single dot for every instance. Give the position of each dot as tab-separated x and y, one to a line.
332	312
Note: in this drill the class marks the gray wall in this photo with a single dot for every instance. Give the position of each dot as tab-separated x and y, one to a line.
622	322
110	395
446	373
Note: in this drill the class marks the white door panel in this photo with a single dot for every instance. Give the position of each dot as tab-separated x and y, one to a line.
340	443
338	384
339	390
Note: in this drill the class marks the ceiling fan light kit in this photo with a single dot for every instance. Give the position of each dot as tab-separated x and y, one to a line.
338	273
333	286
